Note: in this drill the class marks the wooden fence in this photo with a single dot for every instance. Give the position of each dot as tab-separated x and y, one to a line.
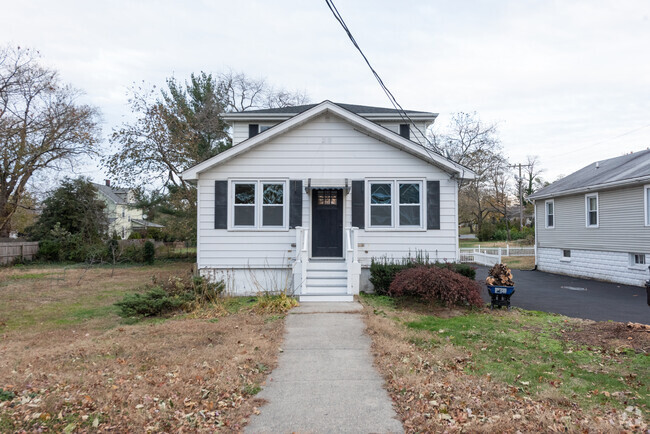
16	251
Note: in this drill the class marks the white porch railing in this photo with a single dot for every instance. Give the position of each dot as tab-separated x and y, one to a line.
352	259
302	259
477	257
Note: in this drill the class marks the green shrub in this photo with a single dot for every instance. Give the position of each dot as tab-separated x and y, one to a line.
462	269
487	232
436	284
135	236
149	252
171	294
133	253
6	395
154	302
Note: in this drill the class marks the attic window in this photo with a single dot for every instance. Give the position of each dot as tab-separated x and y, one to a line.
253	130
405	131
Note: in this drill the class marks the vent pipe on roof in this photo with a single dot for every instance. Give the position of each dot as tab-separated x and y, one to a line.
108	182
597	164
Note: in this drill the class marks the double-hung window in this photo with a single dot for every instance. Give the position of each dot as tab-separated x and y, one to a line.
259	205
591	210
549	214
637	260
396	204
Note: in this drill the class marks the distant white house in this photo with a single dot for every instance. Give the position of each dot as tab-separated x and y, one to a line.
595	223
309	194
124	216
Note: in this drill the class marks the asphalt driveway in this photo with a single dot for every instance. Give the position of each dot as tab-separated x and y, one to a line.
574	297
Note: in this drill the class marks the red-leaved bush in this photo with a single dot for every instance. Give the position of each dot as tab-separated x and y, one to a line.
436	284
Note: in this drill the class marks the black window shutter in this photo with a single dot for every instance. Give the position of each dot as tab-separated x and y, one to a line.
253	130
221	204
433	204
295	202
405	131
358	204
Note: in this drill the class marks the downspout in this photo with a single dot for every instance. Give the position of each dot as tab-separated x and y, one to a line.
535	222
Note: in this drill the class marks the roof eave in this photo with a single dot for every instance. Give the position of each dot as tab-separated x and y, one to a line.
602	186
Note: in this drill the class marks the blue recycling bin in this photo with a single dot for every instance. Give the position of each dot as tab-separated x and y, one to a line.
500	295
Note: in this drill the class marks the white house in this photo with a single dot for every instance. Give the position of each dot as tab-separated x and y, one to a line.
124	216
309	194
595	223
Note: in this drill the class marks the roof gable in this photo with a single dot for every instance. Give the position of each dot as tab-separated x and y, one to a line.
626	169
369	127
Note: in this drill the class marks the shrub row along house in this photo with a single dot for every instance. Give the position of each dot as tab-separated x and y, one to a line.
595	223
124	216
309	194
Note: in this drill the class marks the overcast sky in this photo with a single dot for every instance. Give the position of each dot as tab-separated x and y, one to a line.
566	80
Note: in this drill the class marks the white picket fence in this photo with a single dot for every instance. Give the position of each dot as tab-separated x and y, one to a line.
492	255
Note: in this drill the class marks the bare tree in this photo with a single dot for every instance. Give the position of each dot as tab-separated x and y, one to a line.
242	93
532	174
500	197
42	126
474	144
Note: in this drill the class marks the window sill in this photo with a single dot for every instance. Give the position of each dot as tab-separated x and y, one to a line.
367	229
638	267
258	229
565	259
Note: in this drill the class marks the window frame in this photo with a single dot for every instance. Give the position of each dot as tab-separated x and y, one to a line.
395	204
587	210
258	205
546	214
646	204
638	266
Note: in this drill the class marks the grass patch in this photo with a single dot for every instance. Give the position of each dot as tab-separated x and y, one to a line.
526	352
514	370
519	262
67	356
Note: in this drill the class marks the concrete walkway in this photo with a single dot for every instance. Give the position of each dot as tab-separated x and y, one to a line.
325	381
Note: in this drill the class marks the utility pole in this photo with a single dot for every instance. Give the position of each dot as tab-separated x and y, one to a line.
521	194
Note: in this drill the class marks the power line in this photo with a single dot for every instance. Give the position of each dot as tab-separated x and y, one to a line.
403	114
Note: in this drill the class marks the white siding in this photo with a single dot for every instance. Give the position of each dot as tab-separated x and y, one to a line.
591	264
324	148
240	129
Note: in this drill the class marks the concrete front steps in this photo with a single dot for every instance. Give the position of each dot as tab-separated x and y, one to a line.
327	280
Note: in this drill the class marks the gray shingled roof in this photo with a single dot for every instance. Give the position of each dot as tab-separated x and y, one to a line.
625	169
117	195
358	109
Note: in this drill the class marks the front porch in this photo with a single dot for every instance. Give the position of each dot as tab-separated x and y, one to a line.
326	279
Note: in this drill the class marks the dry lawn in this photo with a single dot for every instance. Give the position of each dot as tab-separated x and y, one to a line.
438	381
69	363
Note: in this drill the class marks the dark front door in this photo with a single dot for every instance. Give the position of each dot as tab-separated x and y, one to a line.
327	223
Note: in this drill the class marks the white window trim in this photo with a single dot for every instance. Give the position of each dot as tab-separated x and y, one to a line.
633	266
546	214
395	227
646	214
258	205
587	197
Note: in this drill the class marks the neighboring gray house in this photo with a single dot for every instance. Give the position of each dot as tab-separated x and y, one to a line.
309	194
595	223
